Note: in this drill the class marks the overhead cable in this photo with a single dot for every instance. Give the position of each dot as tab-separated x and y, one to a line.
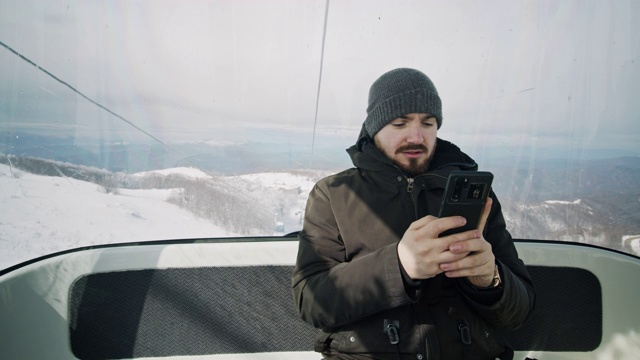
315	120
86	97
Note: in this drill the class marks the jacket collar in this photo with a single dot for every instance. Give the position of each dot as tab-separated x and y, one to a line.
365	155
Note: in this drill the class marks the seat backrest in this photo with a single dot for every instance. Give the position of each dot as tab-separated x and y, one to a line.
567	315
249	309
185	311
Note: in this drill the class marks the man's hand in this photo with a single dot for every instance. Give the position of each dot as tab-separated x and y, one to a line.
421	251
478	267
423	254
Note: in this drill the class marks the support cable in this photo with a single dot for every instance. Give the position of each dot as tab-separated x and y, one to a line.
315	120
87	98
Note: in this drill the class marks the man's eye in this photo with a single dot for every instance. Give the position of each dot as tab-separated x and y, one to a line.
397	124
428	123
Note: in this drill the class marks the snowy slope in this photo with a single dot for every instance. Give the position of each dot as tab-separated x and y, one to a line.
42	214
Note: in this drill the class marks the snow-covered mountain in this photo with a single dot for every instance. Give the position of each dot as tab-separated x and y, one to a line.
85	206
45	214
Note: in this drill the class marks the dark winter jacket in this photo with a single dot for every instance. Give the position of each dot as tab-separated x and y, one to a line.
348	281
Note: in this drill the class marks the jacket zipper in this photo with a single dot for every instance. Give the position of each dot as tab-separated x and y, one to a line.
426	352
410	182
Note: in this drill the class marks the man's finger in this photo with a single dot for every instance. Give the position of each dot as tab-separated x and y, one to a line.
485	214
432	227
422	222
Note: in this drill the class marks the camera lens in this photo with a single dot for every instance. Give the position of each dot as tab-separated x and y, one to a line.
476	191
457	189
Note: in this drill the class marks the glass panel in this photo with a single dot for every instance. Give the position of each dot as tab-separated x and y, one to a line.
129	121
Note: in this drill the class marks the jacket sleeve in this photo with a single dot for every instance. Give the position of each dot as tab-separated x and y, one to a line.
330	290
517	300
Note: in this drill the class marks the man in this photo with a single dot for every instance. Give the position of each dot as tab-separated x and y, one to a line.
372	272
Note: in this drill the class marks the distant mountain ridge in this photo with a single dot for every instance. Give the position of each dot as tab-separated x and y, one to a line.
594	201
260	154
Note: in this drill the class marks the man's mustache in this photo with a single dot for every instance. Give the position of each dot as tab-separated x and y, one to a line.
412	147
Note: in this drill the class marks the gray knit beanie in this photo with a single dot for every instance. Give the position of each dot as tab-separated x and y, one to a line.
400	92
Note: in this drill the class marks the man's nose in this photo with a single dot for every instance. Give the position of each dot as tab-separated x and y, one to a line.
415	135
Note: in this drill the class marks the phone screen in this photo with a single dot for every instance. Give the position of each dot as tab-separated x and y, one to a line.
465	195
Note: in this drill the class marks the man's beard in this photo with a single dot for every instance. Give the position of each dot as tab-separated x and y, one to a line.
415	167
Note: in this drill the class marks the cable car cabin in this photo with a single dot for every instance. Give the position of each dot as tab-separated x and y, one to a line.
154	153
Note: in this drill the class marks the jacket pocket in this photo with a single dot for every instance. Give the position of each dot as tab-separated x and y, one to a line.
465	335
385	333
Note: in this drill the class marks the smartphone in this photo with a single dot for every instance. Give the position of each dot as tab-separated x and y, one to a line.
465	195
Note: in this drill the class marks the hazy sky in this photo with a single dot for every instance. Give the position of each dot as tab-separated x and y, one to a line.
508	72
